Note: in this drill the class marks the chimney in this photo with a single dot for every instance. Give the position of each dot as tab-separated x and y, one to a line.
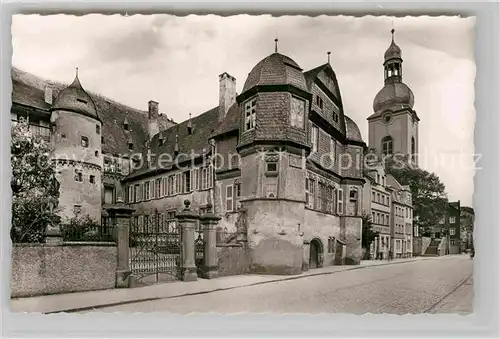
153	127
48	95
227	94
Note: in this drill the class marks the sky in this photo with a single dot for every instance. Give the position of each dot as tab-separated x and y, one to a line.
176	61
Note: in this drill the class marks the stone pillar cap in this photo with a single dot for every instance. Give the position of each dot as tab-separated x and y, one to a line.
119	208
187	213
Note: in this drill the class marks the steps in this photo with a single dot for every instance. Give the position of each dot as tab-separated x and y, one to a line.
432	249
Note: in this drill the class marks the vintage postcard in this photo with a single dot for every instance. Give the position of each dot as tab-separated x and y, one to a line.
245	163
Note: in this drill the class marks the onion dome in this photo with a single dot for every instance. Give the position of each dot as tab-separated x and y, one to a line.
393	52
74	99
393	96
276	69
352	130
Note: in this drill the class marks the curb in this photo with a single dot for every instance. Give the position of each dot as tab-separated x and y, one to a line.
126	302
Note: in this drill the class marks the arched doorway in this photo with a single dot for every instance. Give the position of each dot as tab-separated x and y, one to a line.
315	254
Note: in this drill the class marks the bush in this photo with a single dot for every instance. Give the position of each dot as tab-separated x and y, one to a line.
85	229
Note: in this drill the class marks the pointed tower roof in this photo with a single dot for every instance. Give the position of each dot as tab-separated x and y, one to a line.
393	52
75	99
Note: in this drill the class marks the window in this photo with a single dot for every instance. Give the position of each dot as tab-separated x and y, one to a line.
314	138
164	185
452	231
329	199
297	112
206	177
452	220
319	102
321	196
92	179
373	196
272	166
237	195
109	193
373	217
310	193
413	147
137	193
377	219
194	183
378	198
340	202
332	149
387	145
78	176
85	142
171	185
187	181
179	183
77	209
158	188
98	129
96	153
147	190
131	194
229	198
130	145
452	242
250	109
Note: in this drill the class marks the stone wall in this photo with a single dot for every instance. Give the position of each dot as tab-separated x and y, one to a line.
40	269
353	229
233	259
322	226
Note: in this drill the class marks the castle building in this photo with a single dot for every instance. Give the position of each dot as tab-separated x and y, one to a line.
392	131
92	138
282	156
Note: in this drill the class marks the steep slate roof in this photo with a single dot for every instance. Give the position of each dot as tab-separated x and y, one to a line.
197	142
28	90
352	130
313	73
230	123
276	69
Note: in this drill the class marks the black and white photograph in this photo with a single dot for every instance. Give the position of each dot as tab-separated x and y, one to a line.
242	164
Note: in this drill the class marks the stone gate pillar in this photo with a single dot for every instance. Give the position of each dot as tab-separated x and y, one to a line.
120	215
187	221
209	222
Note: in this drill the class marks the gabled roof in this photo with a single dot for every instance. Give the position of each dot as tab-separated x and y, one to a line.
28	90
313	73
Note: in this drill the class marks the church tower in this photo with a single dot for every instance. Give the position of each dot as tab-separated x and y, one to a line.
76	145
393	127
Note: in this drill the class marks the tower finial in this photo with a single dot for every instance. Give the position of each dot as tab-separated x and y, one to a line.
328	53
392	31
276	45
77	72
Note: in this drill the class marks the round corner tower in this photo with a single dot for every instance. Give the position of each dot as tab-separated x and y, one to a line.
273	146
76	150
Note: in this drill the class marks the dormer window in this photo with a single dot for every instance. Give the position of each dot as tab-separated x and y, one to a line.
98	129
161	141
125	125
82	101
250	114
130	145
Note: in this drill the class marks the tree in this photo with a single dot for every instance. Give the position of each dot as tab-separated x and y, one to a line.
428	193
368	235
35	190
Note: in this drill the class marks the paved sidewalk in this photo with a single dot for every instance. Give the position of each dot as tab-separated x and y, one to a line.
79	301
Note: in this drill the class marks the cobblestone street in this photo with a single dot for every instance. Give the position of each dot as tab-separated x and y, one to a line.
431	286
